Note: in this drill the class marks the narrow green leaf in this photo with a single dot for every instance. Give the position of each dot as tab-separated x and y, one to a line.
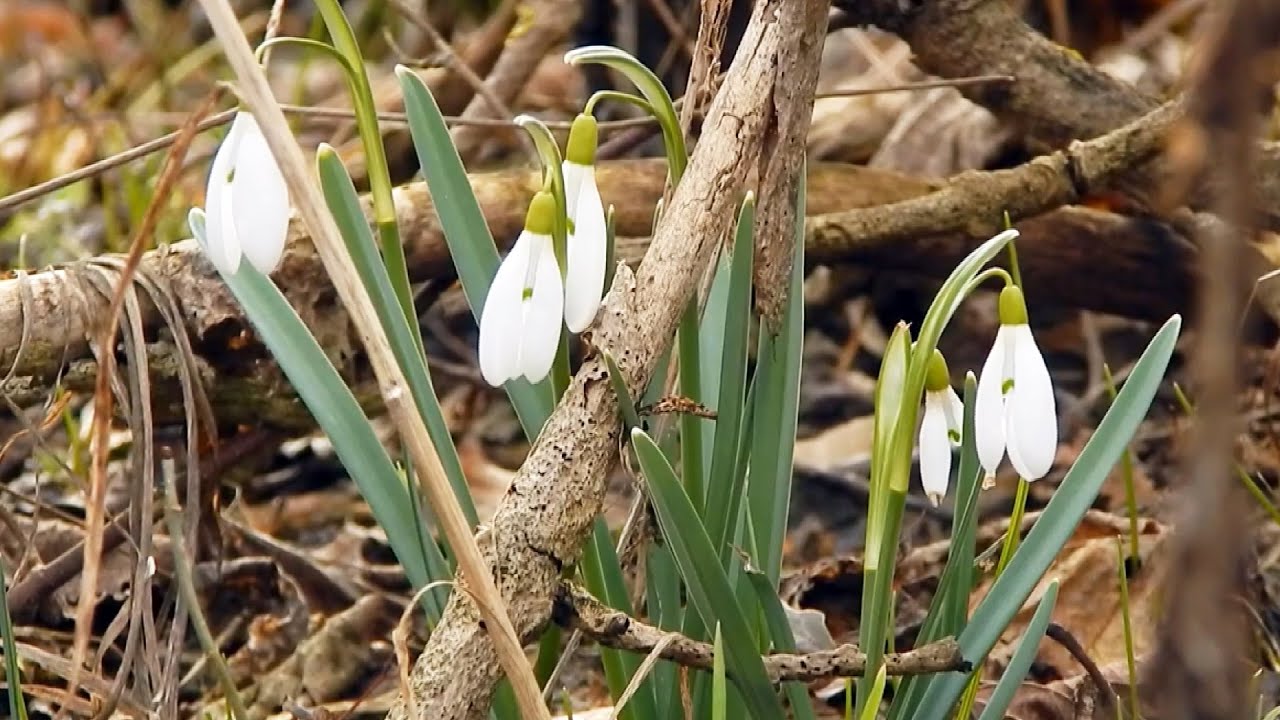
705	579
725	486
602	574
344	204
719	686
775	617
12	671
776	403
626	405
1022	657
663	602
470	244
1059	519
337	412
692	469
871	710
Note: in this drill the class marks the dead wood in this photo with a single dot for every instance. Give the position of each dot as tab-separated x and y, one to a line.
575	608
1072	256
1058	96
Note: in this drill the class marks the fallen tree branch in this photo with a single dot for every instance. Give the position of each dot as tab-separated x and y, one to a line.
1058	96
1074	256
576	609
539	527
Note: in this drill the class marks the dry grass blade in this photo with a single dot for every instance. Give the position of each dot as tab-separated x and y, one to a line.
642	672
102	411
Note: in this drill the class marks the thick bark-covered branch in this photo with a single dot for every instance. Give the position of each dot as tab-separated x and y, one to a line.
1072	256
575	608
1058	96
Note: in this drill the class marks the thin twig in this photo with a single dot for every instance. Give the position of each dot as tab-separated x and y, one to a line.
643	124
576	608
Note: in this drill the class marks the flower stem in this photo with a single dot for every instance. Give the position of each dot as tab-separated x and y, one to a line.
628	98
560	374
1013	534
1126	470
384	210
549	153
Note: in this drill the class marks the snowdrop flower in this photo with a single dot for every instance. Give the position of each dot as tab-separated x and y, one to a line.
522	315
246	202
587	247
1015	407
939	430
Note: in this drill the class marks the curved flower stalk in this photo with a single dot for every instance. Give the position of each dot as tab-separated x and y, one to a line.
1015	410
939	430
588	232
520	322
246	201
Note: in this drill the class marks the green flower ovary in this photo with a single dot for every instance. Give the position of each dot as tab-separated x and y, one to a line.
540	218
937	378
583	137
1013	308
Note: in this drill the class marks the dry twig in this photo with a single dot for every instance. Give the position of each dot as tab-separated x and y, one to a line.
576	608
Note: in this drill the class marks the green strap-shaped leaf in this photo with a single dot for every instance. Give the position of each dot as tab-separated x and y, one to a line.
344	204
775	618
705	579
1022	657
776	402
725	486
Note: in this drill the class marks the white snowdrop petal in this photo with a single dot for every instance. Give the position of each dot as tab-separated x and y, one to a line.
261	200
988	409
573	177
502	318
220	232
544	314
1032	412
586	250
935	448
954	411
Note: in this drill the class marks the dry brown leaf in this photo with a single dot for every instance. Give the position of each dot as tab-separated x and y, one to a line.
837	446
1088	598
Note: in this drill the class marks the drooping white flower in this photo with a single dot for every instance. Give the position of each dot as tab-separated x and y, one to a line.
523	312
587	244
246	201
1015	410
939	429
